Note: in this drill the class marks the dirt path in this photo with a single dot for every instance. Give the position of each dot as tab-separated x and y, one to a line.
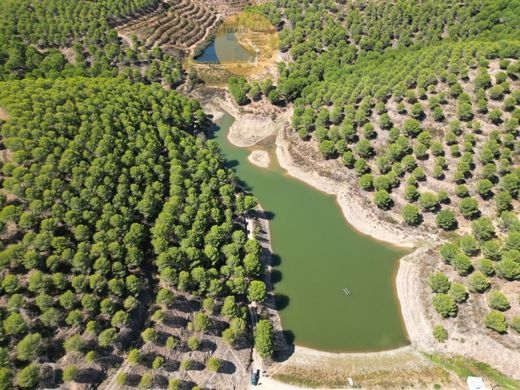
4	116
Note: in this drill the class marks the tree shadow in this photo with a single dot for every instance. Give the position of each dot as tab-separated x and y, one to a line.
285	341
197	366
276	276
281	301
175	321
227	368
90	375
171	365
207	346
276	260
160	381
186	305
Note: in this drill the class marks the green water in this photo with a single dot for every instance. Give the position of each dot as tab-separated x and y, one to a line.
225	48
319	254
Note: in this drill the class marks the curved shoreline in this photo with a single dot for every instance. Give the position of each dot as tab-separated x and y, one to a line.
411	293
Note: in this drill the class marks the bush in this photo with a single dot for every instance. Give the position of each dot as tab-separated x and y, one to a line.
496	321
448	252
478	282
412	127
446	220
483	229
28	377
439	282
134	356
458	292
70	373
498	301
121	378
383	200
264	338
146	381
469	245
445	305
193	343
428	201
411	215
508	269
157	362
185	365
515	323
486	266
214	364
440	333
469	208
366	182
462	264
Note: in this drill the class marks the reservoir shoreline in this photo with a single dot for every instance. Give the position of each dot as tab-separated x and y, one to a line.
412	294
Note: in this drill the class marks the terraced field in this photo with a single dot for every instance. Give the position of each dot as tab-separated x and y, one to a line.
179	24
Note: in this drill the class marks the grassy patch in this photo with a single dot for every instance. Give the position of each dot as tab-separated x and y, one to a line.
423	377
464	367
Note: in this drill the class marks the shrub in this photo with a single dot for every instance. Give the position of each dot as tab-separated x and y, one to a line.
121	378
428	201
486	267
70	373
412	127
134	356
478	282
411	215
28	377
458	292
193	343
185	365
496	321
483	229
446	219
469	245
445	305
508	269
515	323
383	200
411	193
440	333
264	338
157	362
469	208
439	282
462	264
366	182
146	381
214	364
498	301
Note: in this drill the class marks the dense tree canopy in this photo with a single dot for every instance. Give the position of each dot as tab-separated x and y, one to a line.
108	180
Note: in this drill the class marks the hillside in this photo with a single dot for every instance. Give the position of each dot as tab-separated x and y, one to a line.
128	251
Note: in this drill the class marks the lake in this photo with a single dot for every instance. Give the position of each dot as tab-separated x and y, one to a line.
225	48
317	256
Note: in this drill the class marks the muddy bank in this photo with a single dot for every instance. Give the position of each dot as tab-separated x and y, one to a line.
260	158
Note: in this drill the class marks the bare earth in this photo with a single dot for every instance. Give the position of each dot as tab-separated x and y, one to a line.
260	158
4	116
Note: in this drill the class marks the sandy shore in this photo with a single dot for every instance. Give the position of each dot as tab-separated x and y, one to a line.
260	158
357	210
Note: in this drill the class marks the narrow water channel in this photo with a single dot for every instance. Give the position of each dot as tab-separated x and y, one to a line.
317	256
